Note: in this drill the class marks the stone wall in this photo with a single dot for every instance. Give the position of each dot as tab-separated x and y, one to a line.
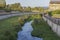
55	27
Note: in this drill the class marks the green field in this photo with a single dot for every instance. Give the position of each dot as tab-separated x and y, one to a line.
43	30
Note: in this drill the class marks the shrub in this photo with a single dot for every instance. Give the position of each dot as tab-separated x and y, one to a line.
17	27
7	9
10	35
21	21
56	12
36	21
50	13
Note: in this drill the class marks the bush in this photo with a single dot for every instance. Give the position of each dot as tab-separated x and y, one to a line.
21	21
50	13
9	35
17	27
7	9
56	12
37	21
1	8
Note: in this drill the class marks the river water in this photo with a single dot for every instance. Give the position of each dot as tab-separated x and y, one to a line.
25	34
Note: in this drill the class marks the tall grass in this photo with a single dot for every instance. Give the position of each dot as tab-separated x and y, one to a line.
43	30
10	27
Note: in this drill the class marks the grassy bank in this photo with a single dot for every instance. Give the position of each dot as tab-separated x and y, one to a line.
43	30
9	28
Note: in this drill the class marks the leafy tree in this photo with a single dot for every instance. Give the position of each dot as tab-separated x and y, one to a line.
2	4
27	9
16	7
41	9
7	8
56	12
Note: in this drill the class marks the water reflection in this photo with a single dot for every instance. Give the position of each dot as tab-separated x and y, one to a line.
25	34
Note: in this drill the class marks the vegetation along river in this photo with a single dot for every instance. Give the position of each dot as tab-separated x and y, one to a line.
25	34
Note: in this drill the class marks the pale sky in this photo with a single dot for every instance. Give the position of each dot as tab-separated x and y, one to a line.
31	3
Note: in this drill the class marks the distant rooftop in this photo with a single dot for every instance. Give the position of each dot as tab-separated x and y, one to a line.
55	2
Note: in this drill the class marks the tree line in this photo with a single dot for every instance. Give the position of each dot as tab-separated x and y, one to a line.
18	7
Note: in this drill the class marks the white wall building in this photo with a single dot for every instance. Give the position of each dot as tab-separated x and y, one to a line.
54	5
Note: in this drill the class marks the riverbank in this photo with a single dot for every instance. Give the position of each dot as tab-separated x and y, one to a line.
25	34
9	28
43	30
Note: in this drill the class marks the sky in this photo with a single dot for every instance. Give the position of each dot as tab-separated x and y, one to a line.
31	3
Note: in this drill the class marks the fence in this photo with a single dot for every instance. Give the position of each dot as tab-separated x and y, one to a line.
53	23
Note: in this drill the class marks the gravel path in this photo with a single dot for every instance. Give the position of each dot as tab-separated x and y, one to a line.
4	16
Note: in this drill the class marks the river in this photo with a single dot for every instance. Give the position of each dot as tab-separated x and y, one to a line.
25	34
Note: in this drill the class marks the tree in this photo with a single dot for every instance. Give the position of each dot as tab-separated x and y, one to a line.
2	4
16	7
38	9
41	9
7	8
27	9
56	12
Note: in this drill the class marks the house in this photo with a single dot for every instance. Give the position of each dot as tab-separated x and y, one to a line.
54	5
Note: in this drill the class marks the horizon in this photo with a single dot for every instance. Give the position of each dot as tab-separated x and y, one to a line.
31	3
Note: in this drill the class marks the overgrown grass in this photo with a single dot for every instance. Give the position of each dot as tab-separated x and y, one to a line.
9	28
43	30
32	17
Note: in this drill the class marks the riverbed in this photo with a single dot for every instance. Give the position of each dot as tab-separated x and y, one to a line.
25	34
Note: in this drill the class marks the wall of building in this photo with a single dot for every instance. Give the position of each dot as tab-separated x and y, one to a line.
54	7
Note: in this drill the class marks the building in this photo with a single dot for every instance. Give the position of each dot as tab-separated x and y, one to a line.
54	5
2	3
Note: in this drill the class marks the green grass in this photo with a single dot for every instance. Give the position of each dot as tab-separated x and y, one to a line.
9	28
43	30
